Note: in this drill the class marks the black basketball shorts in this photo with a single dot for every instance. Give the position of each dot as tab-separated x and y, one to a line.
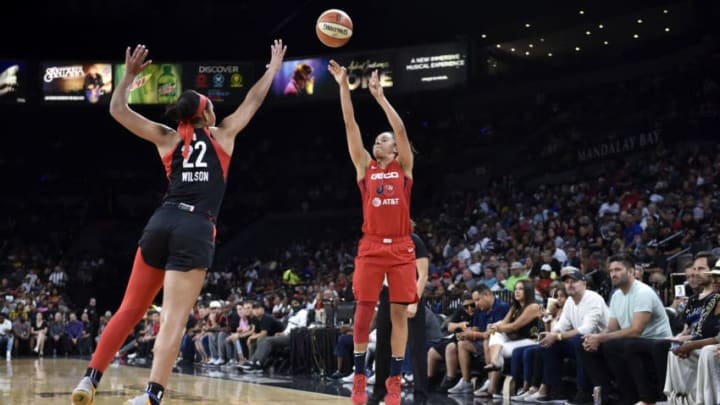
174	239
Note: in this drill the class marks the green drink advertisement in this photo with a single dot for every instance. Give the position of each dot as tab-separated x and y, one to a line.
157	84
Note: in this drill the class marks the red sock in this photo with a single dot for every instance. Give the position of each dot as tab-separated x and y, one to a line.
144	284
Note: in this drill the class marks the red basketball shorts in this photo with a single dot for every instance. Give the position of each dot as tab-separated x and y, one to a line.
377	257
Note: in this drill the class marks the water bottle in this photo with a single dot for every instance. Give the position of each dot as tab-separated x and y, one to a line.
597	395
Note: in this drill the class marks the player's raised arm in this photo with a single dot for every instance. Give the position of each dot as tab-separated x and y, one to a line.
231	126
161	135
405	153
359	155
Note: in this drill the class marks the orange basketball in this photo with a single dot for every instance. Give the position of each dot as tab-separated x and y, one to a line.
334	28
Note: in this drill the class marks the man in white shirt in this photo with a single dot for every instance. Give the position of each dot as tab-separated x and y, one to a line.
6	335
559	254
584	313
609	207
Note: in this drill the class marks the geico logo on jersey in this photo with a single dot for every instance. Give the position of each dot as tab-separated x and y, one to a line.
388	175
377	201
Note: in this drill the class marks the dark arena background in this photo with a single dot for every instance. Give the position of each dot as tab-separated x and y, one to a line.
548	134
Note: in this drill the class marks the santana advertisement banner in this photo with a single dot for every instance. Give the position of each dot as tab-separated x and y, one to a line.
77	82
159	83
221	82
12	81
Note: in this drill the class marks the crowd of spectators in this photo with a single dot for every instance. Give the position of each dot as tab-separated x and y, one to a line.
659	203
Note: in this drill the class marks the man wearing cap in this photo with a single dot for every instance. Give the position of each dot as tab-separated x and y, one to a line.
470	343
583	314
446	349
217	333
517	273
542	283
633	351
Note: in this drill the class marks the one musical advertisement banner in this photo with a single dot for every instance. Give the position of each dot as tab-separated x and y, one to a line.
80	83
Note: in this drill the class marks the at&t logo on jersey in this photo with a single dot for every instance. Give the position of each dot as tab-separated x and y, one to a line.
377	201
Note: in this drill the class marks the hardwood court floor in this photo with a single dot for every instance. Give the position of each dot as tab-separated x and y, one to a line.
28	381
41	381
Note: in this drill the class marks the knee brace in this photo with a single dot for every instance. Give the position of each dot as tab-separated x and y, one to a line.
363	316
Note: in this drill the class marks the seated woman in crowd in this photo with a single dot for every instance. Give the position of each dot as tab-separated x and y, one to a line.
39	334
519	328
526	364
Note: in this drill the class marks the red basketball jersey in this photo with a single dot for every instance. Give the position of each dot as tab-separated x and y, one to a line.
386	200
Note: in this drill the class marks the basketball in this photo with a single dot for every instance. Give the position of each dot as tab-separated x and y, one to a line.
334	28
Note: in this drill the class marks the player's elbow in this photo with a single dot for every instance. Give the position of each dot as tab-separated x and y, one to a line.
113	110
117	110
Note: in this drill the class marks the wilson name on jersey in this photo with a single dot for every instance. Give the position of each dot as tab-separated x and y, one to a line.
200	178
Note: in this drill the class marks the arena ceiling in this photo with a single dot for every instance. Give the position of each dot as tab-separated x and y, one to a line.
242	29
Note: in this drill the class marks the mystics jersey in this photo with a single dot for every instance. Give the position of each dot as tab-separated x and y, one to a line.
200	179
385	200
